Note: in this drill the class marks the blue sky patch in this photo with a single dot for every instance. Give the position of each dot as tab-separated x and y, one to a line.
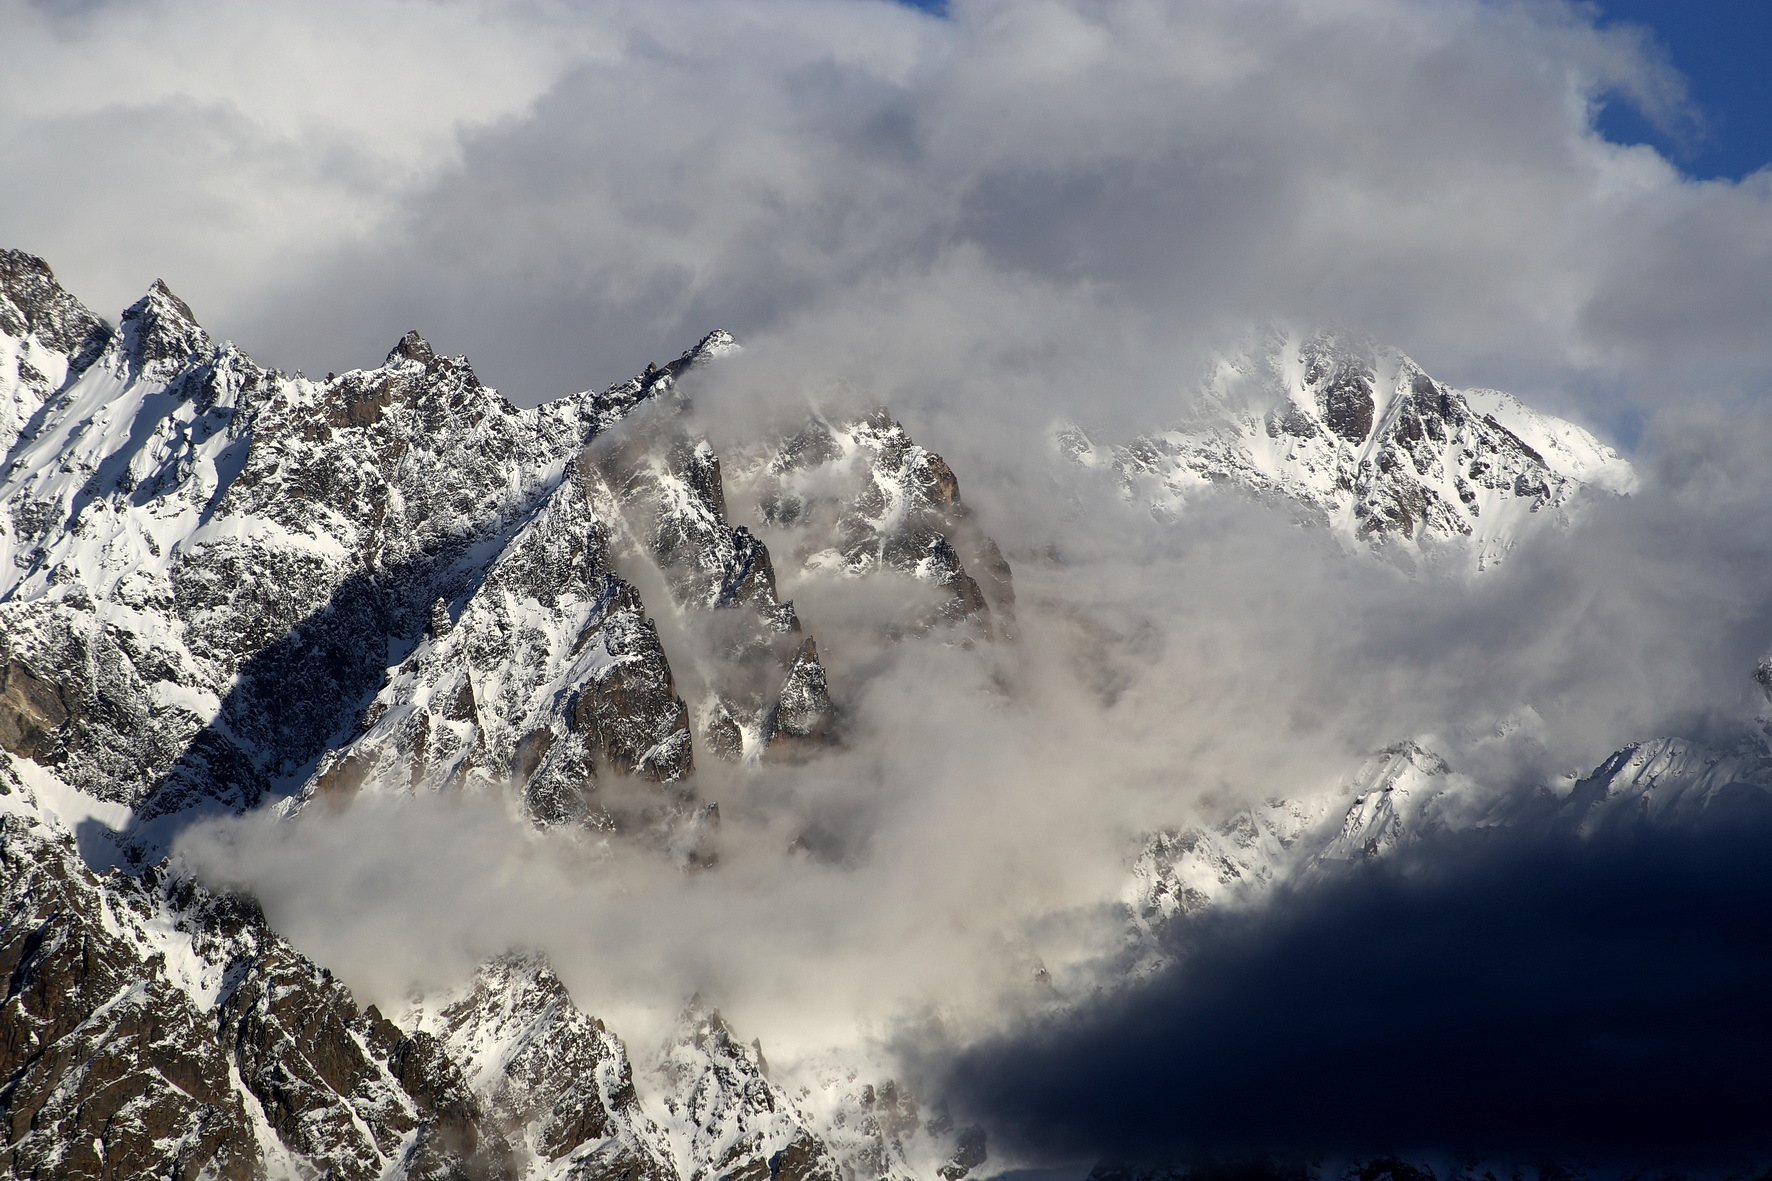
1724	49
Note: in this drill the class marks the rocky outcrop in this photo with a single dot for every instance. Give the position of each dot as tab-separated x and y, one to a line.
550	680
804	714
106	1067
152	1028
32	711
206	566
46	337
343	1088
541	1066
220	583
664	493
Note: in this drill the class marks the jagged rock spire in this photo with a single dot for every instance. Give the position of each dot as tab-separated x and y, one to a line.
734	1121
412	347
806	712
160	333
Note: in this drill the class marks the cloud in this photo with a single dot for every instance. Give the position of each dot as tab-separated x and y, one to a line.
975	829
218	145
564	192
979	819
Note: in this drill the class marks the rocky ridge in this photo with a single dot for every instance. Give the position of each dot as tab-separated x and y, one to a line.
154	1029
221	585
857	495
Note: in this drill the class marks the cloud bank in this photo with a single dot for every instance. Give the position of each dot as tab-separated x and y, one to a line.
566	191
977	825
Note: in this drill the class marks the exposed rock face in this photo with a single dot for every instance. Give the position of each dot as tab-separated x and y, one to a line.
550	678
665	492
154	1029
212	565
222	585
219	583
46	337
106	1068
805	713
345	1089
159	337
539	1064
32	711
1360	439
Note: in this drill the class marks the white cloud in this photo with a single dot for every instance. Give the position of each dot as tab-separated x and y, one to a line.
565	191
216	144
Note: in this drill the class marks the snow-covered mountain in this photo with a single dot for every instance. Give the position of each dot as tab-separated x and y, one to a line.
223	588
220	582
156	1029
1360	439
1406	794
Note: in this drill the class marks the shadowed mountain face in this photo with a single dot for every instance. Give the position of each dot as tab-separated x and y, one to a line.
1525	989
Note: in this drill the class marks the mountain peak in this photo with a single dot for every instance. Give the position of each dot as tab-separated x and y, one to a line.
1362	440
714	344
162	304
33	303
412	347
24	275
160	333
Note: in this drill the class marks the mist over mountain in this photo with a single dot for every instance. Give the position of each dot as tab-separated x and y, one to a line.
1060	659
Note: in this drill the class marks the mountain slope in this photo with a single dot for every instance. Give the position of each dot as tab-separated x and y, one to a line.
224	587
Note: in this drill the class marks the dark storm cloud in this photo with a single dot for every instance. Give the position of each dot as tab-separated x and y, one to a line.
1493	993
